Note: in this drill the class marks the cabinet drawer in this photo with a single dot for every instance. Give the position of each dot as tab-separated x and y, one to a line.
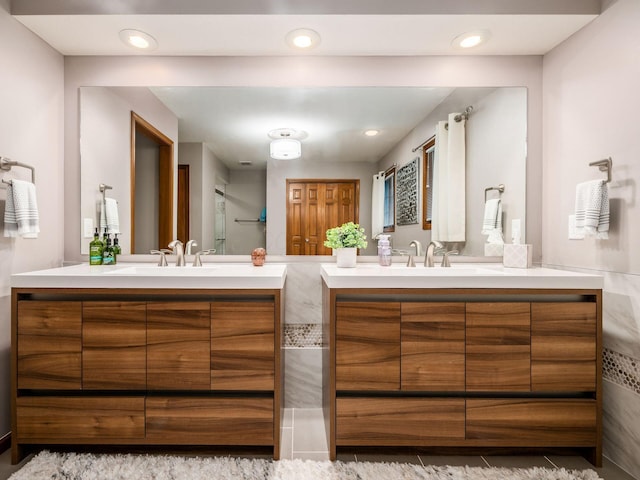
242	346
211	421
498	347
533	422
563	346
178	346
49	345
73	419
433	346
368	346
114	350
398	421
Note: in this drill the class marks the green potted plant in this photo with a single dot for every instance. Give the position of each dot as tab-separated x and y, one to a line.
345	240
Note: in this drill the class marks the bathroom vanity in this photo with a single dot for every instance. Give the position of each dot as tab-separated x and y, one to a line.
469	357
146	355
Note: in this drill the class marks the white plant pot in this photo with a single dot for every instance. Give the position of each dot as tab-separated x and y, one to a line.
346	257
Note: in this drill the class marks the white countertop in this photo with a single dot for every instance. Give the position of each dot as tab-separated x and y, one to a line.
462	275
148	275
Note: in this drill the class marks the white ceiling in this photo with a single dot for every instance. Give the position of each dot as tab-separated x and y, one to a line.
235	125
340	34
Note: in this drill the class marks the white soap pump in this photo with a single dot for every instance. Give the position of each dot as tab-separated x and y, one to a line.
384	250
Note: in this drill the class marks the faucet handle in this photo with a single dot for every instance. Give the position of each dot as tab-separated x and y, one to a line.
163	259
410	262
197	262
445	258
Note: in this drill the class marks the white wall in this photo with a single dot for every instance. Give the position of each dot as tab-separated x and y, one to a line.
303	71
246	196
591	102
31	131
205	171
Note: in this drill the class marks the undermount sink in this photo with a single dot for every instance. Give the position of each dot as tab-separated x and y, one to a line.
159	271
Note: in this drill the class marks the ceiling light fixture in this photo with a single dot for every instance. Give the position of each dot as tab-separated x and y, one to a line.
303	39
138	39
286	144
471	39
371	133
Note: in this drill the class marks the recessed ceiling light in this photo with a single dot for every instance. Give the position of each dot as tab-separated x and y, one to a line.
371	133
471	39
303	39
138	39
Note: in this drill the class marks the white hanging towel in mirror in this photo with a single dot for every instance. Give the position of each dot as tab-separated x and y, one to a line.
109	218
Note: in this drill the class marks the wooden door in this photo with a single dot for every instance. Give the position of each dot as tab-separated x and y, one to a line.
313	206
184	203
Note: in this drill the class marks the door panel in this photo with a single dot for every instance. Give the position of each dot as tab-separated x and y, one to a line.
313	206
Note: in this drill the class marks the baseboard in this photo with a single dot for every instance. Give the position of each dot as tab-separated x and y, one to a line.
5	442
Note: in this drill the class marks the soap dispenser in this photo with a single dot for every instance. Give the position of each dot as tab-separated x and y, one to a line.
384	250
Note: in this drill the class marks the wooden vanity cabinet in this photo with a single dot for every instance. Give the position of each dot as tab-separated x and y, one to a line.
437	368
146	367
49	345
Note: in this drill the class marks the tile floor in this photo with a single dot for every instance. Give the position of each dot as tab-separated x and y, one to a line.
303	437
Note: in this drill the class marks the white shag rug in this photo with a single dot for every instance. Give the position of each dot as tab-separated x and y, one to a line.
72	466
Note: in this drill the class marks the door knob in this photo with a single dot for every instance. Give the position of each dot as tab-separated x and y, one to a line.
306	240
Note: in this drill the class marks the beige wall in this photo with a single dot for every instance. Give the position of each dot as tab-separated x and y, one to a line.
31	131
523	71
590	104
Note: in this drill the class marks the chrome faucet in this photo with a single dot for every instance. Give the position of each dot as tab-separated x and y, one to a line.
434	245
188	245
418	245
177	248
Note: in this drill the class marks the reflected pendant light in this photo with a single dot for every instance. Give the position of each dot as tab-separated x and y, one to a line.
283	147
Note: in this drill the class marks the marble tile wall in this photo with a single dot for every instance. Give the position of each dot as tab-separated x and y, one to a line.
621	370
303	336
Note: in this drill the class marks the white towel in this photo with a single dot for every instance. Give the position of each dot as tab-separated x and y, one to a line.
592	209
109	218
492	216
21	210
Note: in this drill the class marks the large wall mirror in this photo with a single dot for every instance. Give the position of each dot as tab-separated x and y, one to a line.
228	193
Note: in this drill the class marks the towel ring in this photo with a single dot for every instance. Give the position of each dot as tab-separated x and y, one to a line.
500	189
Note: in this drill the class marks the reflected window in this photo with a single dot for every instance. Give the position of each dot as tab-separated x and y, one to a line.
428	156
390	200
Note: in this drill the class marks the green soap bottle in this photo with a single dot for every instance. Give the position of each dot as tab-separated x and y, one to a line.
108	257
96	249
116	246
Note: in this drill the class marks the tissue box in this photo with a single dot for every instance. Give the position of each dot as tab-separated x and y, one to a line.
493	250
517	256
